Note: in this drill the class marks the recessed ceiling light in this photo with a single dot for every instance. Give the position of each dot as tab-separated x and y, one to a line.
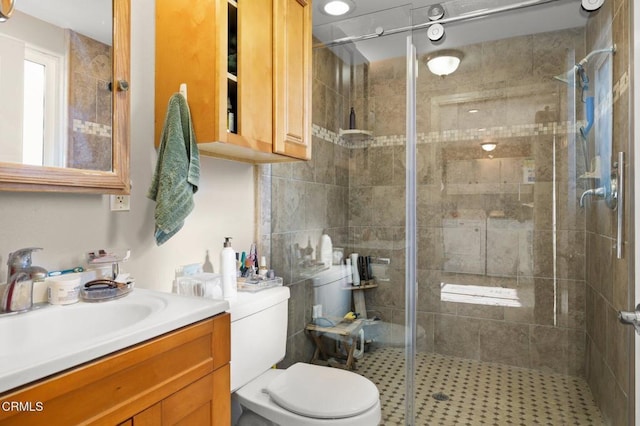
473	111
336	7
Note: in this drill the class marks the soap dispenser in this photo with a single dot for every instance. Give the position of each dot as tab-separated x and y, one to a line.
228	270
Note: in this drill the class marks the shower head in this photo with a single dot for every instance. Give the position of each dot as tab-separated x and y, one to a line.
580	70
563	77
567	77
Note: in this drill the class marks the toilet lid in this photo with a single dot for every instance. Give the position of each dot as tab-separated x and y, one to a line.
322	392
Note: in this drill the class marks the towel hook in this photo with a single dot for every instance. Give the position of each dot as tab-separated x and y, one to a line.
183	90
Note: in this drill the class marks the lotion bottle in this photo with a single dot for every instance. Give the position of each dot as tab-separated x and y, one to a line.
325	251
228	270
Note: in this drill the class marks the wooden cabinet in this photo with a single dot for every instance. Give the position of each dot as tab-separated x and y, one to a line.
268	90
182	377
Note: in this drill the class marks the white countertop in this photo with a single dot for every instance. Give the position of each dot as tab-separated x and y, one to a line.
42	342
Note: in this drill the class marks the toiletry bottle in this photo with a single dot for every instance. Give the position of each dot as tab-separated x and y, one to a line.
354	269
228	270
325	250
350	272
352	119
207	266
262	271
231	120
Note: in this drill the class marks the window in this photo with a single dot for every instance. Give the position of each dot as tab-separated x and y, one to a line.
43	110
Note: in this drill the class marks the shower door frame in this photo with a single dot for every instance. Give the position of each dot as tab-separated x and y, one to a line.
634	234
411	240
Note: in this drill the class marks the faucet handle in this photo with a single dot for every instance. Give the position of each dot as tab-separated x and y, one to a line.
21	258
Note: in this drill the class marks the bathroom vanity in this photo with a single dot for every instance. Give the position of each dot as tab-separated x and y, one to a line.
179	376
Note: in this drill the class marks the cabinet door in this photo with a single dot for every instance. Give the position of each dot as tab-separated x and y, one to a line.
191	48
255	68
192	405
292	78
152	416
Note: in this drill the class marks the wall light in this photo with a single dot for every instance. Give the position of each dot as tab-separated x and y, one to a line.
488	146
337	7
6	9
444	62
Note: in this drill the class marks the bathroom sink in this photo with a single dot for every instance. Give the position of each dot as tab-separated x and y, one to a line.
45	341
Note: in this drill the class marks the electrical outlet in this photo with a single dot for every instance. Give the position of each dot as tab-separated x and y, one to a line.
120	203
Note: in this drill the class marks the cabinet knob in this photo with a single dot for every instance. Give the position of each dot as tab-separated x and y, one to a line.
123	85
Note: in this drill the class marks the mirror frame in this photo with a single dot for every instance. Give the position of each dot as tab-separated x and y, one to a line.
20	177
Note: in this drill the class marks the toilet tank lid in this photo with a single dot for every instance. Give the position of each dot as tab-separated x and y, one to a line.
323	392
333	274
246	303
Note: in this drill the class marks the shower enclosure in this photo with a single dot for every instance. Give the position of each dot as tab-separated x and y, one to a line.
496	292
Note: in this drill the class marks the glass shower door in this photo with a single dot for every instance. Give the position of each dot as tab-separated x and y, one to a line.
516	270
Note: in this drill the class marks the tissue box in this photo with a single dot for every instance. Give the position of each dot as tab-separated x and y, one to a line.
206	284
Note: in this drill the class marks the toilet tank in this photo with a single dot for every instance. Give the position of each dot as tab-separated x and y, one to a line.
258	333
328	291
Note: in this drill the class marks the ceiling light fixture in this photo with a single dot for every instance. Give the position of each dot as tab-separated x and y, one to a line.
444	62
337	7
488	146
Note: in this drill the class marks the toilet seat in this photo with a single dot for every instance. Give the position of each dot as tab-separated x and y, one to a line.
254	396
322	392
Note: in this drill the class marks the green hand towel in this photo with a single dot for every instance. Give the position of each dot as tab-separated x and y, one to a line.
177	171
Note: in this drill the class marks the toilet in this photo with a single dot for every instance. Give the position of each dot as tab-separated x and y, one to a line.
303	394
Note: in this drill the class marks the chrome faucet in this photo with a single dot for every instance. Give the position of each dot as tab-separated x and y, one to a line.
18	292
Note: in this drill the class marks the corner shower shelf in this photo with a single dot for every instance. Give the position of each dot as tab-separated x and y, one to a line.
355	135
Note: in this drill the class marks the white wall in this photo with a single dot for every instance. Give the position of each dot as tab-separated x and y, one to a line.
68	225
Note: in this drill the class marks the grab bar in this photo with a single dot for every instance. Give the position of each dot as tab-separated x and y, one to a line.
620	206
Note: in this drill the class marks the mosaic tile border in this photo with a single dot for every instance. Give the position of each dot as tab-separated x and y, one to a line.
90	128
497	132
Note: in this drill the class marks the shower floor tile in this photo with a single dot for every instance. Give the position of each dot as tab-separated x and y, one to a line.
477	393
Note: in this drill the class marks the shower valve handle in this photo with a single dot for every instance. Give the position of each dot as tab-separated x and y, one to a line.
631	318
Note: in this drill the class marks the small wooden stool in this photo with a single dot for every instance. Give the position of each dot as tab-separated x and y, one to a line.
343	331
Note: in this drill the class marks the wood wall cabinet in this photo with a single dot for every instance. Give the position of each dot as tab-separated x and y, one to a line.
269	89
182	377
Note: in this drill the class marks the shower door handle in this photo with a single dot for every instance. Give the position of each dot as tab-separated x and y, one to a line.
631	318
620	205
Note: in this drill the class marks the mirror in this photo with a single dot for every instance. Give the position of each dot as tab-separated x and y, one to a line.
64	70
